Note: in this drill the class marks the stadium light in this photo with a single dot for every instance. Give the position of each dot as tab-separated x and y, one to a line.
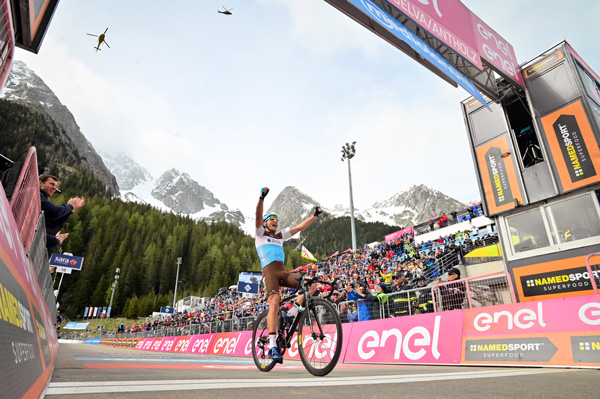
114	287
348	152
176	281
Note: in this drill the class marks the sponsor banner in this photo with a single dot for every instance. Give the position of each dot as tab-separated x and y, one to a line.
544	64
401	32
231	344
294	351
399	234
556	279
248	288
67	261
573	147
459	38
201	344
167	344
586	348
183	344
498	175
140	343
558	332
550	316
527	350
75	326
28	346
424	339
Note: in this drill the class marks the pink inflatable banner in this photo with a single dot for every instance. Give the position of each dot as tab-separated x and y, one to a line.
554	315
421	339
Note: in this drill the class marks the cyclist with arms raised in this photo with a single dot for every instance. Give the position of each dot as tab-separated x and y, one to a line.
269	245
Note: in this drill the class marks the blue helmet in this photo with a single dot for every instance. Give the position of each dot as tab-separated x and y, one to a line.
268	215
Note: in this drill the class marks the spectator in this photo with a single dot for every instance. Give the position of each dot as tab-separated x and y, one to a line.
55	216
401	301
454	217
424	300
444	219
381	311
431	224
452	295
361	296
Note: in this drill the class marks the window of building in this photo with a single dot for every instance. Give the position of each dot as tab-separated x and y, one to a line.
527	231
573	219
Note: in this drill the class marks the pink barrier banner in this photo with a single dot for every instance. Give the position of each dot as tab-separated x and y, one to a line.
140	343
232	344
422	339
554	315
200	344
293	351
167	344
398	234
555	332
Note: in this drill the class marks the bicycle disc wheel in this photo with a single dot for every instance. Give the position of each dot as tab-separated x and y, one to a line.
320	337
260	346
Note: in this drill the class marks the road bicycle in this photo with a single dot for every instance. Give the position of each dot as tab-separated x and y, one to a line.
317	328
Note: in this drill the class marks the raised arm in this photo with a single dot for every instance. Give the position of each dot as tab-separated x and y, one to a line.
307	222
259	207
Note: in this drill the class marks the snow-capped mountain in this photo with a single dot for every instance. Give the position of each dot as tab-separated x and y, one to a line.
406	208
292	206
25	87
173	191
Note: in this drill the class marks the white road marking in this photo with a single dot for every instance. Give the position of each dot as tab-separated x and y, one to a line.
71	388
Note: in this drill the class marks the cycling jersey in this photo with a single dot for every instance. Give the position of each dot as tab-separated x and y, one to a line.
270	248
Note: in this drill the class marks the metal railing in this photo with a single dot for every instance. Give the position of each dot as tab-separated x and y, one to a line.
25	200
486	290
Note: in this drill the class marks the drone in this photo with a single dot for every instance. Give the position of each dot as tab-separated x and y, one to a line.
100	40
226	12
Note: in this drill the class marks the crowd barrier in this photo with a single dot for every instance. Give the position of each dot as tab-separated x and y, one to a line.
558	332
28	342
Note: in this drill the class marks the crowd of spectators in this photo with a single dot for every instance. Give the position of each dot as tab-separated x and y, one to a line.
368	275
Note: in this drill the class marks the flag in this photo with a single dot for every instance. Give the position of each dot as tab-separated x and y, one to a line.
86	312
108	312
306	254
335	254
91	311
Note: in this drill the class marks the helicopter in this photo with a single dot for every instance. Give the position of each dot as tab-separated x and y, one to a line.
100	40
226	12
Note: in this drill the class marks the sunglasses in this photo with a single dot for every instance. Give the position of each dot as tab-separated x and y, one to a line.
272	218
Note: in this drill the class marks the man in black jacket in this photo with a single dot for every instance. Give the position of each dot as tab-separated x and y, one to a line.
55	216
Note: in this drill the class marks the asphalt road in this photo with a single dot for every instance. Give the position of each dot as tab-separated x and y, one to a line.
98	372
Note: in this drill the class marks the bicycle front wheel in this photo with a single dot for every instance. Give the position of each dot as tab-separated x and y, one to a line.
320	337
260	343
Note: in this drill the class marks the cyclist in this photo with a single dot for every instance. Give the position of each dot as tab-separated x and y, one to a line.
269	245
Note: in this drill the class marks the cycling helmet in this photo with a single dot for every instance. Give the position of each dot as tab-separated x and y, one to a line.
268	215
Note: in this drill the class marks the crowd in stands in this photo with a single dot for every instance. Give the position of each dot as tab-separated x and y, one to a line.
371	273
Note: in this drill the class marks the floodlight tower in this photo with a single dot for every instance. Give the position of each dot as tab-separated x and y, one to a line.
348	152
114	287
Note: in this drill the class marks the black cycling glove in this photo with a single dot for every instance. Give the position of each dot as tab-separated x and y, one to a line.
263	192
317	211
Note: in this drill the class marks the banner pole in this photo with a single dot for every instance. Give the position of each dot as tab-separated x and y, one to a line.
61	277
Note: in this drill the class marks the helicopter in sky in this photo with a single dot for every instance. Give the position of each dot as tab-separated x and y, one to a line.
100	40
226	12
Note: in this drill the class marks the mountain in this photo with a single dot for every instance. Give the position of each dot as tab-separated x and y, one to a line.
406	208
173	191
25	87
292	206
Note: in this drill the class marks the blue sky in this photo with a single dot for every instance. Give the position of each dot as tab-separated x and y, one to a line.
268	96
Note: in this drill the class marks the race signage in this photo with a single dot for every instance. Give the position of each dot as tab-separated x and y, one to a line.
403	33
573	147
76	326
70	261
498	175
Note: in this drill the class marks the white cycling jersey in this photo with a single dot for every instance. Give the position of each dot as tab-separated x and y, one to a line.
269	248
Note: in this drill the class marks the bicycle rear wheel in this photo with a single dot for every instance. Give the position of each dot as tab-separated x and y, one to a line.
320	337
260	343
